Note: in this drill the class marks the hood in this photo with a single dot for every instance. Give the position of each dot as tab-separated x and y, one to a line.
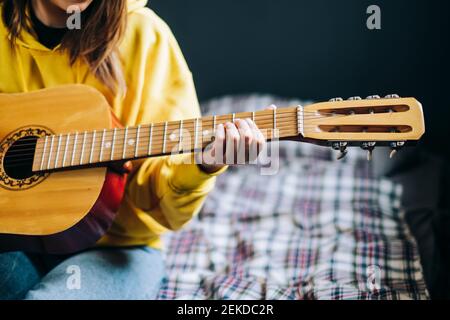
29	41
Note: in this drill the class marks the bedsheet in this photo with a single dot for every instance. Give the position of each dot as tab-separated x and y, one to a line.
317	229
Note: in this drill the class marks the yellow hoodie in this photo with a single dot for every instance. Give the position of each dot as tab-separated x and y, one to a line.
161	195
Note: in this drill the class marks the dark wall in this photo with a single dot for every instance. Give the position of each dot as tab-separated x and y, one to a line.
318	49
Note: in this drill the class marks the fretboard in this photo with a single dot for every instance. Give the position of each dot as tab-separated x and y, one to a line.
91	148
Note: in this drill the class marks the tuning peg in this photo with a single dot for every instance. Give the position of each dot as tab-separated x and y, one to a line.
336	99
393	153
342	154
395	147
392	96
373	97
368	146
354	98
341	147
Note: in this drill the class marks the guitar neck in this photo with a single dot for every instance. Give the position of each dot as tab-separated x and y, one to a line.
93	148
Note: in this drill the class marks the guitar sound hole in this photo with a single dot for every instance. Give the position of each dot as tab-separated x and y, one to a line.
18	160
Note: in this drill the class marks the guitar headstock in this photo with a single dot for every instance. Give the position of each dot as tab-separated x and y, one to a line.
390	121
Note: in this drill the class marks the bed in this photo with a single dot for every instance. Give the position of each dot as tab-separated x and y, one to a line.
318	229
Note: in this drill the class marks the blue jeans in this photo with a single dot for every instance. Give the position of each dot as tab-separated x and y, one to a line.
98	274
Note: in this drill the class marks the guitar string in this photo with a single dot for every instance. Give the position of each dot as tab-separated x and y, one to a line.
219	119
289	112
142	144
142	152
209	120
267	114
158	128
290	132
145	129
20	154
186	148
157	139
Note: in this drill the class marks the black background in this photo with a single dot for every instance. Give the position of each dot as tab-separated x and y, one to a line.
319	49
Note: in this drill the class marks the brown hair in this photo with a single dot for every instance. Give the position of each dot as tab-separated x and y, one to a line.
103	25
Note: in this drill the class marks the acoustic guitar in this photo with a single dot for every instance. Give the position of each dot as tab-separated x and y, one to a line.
59	193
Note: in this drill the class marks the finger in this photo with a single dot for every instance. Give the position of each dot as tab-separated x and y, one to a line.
218	151
253	148
260	140
247	140
232	140
245	132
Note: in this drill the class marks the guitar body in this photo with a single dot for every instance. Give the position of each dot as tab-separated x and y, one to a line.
56	212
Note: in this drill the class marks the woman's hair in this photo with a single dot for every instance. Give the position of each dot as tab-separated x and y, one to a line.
103	25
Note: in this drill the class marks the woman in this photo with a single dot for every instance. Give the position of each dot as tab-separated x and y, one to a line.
126	52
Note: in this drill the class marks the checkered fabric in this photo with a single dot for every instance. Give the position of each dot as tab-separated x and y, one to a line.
318	229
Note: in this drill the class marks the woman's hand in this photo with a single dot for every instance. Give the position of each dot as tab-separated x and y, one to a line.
235	143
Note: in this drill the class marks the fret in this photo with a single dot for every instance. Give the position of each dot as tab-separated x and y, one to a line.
253	116
82	148
180	138
113	144
58	150
300	120
274	119
102	145
275	134
136	148
196	134
233	117
214	123
150	140
50	153
74	150
92	146
43	153
65	151
164	138
124	153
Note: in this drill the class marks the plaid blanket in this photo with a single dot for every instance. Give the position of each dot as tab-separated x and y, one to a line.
318	229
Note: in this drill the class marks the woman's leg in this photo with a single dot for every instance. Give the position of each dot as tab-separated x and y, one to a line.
18	275
104	274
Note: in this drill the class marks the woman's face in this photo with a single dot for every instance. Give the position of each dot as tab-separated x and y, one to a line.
64	4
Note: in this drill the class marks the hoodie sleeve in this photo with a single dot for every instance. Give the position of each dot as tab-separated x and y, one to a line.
164	192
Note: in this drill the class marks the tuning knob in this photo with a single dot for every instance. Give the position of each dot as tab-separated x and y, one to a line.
354	98
373	97
341	147
336	99
395	147
369	147
392	96
342	154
